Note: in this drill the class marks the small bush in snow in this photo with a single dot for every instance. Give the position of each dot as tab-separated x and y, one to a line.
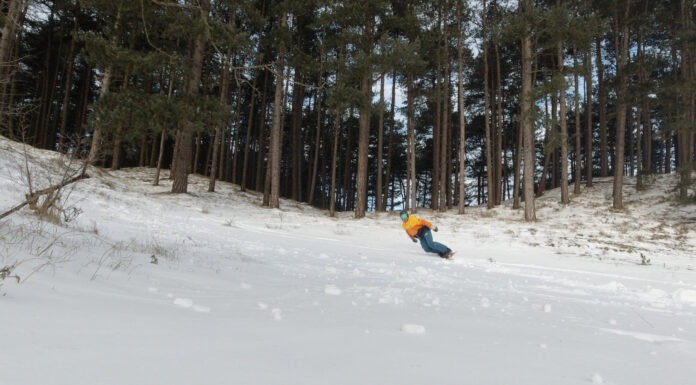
7	272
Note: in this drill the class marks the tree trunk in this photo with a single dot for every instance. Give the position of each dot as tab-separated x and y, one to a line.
275	146
603	142
163	134
462	118
363	143
517	164
183	154
379	191
563	120
490	200
229	171
437	139
348	190
317	148
588	118
67	85
685	135
411	202
622	44
95	148
390	145
578	129
15	11
217	138
527	121
118	134
334	160
444	126
498	139
262	164
298	96
247	144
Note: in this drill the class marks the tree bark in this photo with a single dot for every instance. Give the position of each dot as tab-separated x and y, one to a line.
588	117
262	164
379	201
389	192
67	85
444	125
334	160
603	142
685	135
15	12
298	97
275	146
622	44
498	138
95	148
527	121
317	148
411	202
184	154
462	118
563	121
363	144
578	129
217	138
364	122
490	189
247	141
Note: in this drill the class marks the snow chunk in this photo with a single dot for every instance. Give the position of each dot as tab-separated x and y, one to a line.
647	337
547	308
686	296
201	309
332	290
613	286
413	329
597	379
183	302
187	303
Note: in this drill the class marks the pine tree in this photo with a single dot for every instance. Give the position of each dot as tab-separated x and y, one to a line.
527	114
622	36
183	155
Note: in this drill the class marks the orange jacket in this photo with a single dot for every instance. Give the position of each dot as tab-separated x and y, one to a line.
413	224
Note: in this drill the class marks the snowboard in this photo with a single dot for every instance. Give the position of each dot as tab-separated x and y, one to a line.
450	256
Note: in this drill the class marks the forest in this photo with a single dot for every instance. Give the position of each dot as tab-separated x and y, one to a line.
361	105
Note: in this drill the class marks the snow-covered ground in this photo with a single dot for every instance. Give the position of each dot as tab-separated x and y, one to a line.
246	295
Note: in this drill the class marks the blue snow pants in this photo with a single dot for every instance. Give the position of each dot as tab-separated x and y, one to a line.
425	237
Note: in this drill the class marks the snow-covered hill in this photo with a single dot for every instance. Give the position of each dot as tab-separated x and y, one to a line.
245	295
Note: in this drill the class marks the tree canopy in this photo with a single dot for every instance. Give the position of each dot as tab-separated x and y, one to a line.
361	105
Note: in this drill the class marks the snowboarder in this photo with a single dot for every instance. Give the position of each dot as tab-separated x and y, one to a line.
419	230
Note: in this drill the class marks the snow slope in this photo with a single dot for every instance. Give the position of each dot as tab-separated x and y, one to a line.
245	295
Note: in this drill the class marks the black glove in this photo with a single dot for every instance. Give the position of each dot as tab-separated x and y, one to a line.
414	240
435	229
